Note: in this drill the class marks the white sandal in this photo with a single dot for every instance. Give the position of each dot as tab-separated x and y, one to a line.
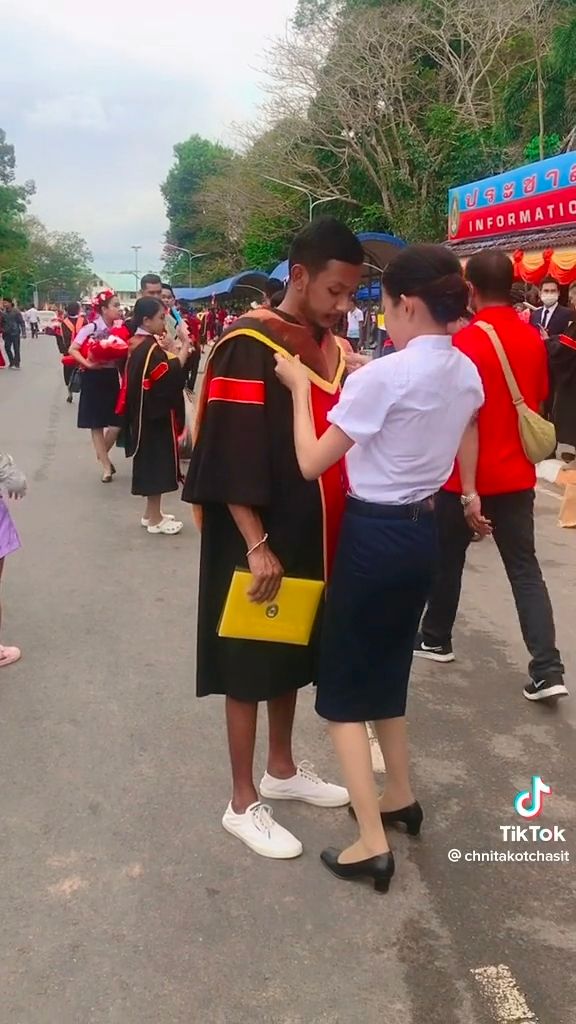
170	527
146	522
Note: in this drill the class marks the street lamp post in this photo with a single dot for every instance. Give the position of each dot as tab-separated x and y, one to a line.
36	297
312	202
136	274
191	256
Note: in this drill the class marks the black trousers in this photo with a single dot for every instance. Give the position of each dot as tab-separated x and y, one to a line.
191	368
34	330
12	346
512	517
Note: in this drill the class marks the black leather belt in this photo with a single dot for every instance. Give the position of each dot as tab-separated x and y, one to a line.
372	510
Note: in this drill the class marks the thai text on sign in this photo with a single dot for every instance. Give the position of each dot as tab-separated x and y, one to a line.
539	195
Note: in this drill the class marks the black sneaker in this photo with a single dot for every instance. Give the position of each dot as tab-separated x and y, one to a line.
546	689
443	653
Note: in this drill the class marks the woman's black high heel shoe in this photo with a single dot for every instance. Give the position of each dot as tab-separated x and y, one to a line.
380	868
411	816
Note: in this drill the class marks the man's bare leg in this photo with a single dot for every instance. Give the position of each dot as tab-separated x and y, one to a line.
281	713
241	718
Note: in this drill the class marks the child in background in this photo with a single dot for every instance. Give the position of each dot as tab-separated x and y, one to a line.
12	483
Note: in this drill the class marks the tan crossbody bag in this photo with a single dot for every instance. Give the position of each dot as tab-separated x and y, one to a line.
537	435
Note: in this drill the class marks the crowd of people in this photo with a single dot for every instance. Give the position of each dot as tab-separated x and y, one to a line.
314	462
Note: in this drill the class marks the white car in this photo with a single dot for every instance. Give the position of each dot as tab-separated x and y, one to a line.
46	318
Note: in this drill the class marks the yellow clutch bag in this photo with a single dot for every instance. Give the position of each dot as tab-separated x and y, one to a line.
288	619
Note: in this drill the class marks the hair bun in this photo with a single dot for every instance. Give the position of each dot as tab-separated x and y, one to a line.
447	297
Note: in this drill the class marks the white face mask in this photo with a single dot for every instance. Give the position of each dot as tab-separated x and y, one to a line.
549	300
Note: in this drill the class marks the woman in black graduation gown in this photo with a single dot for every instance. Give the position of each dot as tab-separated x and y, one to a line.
155	414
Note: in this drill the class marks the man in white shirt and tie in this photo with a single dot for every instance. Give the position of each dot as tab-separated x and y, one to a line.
551	317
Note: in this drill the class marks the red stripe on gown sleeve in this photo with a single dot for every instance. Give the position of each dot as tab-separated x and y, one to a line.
158	372
229	389
567	341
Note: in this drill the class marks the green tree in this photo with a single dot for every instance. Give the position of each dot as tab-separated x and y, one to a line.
61	259
196	161
400	100
315	12
386	104
13	202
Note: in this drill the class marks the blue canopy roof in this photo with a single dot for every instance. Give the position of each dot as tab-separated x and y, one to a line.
281	272
249	281
371	292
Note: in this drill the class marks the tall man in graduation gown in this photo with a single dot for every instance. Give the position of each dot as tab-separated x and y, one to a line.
260	513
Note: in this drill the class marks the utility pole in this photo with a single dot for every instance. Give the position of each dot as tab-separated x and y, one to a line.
136	274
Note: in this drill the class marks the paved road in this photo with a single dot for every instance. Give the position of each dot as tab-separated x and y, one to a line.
122	900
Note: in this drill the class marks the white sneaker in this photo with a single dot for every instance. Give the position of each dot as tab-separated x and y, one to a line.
258	830
307	786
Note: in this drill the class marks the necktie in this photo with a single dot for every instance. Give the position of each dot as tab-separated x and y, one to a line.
545	318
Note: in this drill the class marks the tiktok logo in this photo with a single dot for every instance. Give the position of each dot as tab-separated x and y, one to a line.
529	803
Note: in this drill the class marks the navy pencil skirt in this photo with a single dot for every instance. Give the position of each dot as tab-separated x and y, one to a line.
98	398
380	583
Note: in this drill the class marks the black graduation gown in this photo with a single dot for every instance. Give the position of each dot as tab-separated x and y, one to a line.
244	455
155	416
562	361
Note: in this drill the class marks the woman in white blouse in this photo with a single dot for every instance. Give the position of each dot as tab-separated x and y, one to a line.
400	422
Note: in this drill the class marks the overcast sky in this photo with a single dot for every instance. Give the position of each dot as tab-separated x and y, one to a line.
94	96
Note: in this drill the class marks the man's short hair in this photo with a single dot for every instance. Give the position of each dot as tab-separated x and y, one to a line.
550	280
492	274
325	239
73	309
167	288
150	279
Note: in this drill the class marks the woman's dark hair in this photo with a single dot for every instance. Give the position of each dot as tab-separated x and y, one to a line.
277	298
431	273
144	309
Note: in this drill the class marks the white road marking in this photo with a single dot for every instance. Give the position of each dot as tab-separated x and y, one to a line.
505	1000
375	752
